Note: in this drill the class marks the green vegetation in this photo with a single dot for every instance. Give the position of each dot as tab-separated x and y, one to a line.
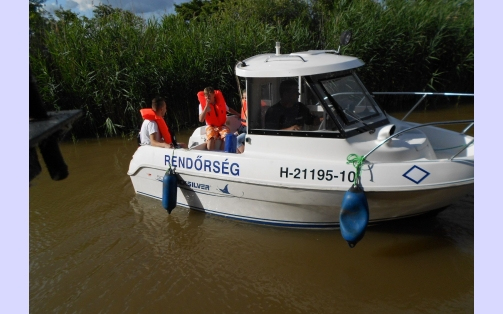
111	65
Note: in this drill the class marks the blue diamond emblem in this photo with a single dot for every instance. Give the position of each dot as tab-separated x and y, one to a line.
416	174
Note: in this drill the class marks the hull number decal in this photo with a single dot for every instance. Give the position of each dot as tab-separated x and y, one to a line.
314	174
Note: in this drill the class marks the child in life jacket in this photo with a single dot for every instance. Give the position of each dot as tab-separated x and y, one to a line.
213	110
154	130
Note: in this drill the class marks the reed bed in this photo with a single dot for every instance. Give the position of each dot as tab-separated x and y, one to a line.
113	64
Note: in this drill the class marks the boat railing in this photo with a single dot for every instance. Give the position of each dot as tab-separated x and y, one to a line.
471	122
423	97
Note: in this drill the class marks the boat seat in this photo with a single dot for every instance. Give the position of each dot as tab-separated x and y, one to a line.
203	145
233	123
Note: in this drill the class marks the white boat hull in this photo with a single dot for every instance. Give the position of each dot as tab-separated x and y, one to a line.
304	209
282	192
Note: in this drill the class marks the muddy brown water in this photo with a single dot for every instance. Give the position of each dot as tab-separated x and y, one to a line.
97	247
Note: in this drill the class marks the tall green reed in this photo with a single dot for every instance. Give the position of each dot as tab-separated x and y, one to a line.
112	65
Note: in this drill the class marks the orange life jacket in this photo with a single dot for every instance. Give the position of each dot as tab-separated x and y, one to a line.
149	114
243	113
217	116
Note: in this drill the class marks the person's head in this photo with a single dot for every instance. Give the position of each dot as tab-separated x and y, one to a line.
209	94
243	94
159	106
289	90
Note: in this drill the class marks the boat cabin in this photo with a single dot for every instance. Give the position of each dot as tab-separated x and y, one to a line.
327	85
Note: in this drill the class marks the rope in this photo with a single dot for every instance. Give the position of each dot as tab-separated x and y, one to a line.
169	171
357	162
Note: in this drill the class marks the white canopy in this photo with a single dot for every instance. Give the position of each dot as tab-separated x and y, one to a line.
296	64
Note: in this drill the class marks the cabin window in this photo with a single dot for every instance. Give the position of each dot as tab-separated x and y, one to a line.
264	94
334	105
259	99
347	98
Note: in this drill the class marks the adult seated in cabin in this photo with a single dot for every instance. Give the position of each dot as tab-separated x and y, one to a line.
213	110
154	130
288	114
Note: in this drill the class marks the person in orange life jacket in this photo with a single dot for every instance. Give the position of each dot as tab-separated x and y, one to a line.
172	133
242	130
154	130
213	110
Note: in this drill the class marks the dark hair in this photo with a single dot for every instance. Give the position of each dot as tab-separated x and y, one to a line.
157	102
209	90
286	85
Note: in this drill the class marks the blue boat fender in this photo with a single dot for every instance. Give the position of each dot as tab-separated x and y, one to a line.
354	215
230	143
169	185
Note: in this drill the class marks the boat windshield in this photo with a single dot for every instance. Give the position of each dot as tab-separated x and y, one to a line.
331	104
346	98
348	95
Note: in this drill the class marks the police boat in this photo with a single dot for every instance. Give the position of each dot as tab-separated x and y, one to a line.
299	178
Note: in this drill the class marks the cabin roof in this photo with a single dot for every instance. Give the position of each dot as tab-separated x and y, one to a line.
296	64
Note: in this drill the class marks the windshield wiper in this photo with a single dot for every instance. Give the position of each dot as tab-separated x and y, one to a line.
356	117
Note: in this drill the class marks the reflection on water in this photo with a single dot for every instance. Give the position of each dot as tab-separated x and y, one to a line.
96	246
